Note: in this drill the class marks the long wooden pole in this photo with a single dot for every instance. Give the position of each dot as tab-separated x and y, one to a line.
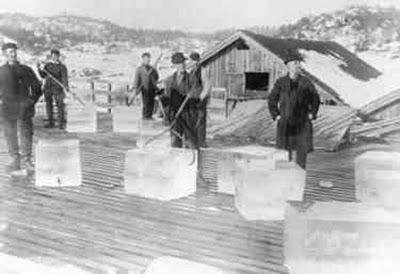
64	87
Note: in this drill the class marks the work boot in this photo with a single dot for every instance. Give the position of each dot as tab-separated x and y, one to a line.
14	165
49	125
28	165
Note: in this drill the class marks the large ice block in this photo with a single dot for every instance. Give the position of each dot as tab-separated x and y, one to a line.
337	237
81	118
228	170
377	178
172	265
163	174
262	193
126	119
58	163
129	120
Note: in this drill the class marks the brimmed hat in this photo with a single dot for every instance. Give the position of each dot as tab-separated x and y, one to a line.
292	56
178	58
55	51
9	46
195	56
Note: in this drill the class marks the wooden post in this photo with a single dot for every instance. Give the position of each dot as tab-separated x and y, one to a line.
93	92
109	97
127	95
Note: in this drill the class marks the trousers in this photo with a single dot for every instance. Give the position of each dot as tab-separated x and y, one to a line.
183	132
148	103
58	97
19	134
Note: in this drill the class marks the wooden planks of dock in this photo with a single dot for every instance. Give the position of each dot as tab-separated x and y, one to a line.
99	228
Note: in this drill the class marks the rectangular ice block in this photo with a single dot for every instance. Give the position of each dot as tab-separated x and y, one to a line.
262	193
163	174
377	178
58	163
228	170
126	119
81	118
172	265
337	237
129	120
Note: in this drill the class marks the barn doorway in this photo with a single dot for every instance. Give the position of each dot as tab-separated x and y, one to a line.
257	83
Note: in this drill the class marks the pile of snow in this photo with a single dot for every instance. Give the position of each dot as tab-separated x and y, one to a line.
353	91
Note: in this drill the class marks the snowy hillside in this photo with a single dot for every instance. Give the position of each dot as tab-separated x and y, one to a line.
357	28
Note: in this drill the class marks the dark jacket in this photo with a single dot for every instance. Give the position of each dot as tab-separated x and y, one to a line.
58	71
294	102
20	89
146	79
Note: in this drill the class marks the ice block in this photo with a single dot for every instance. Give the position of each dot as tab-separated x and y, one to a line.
126	119
81	118
172	265
337	237
129	120
163	174
58	163
262	193
377	178
228	170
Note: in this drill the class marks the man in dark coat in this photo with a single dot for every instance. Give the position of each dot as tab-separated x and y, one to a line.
20	89
146	78
53	91
293	103
177	88
200	89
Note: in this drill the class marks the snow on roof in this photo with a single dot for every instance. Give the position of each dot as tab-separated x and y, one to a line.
330	69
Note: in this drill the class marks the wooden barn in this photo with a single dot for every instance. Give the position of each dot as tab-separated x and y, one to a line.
247	65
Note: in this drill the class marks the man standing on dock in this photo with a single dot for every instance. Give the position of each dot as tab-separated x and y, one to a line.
293	103
200	89
53	91
182	107
146	78
20	89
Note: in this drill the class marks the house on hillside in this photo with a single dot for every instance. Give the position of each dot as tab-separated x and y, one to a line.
247	65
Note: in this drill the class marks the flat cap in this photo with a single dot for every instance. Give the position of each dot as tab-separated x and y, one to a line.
55	51
178	58
146	54
9	46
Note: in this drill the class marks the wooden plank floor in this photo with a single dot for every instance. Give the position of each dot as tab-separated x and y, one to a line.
99	228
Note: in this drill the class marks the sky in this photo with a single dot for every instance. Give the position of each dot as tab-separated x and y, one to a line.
188	15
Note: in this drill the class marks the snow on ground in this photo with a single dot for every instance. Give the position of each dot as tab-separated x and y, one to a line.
355	92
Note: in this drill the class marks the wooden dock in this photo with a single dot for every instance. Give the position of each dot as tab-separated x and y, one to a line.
99	228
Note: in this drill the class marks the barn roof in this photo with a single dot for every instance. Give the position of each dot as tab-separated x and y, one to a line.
342	73
352	64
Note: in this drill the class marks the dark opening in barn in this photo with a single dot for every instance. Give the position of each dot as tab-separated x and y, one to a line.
257	81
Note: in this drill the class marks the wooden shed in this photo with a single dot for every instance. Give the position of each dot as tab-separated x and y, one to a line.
248	64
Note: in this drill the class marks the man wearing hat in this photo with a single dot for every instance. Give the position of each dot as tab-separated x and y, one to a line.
146	78
53	91
293	104
177	88
20	89
200	89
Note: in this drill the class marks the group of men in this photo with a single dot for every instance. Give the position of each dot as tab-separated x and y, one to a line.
185	98
20	90
293	103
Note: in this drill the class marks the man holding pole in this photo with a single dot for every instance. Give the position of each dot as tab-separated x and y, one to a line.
54	73
200	88
183	105
20	89
146	78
